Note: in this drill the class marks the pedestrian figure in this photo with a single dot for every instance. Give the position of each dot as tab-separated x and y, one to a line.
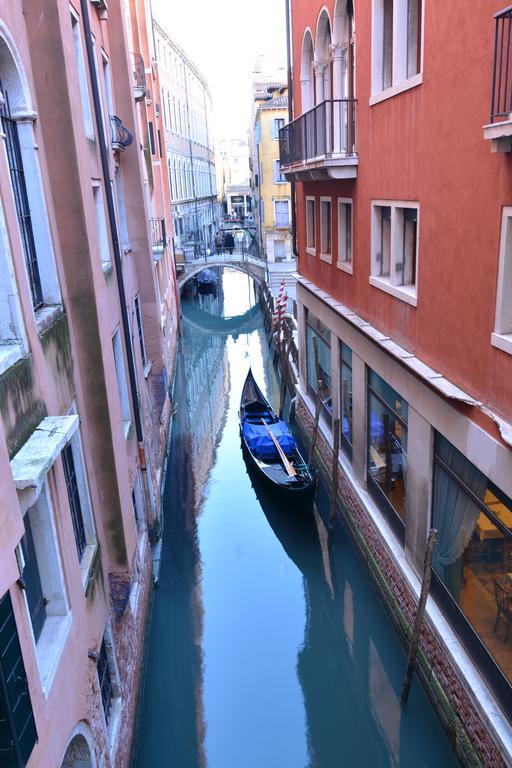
229	242
219	243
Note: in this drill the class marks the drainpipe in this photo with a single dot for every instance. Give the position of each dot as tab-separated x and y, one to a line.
290	117
113	230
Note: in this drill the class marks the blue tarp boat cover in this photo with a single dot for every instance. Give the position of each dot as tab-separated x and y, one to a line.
207	276
261	444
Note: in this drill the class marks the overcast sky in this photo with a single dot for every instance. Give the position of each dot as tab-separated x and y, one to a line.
224	39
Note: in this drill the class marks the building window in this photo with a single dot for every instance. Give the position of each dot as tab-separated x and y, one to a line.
311	224
502	336
82	77
21	199
345	233
101	226
36	599
12	330
395	228
123	220
122	383
277	124
387	450
325	227
346	398
282	213
105	680
396	42
473	554
279	178
18	733
279	250
75	505
319	380
151	138
141	331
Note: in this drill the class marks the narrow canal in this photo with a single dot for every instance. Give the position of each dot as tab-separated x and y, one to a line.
267	649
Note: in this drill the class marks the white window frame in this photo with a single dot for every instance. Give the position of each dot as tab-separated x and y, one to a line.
282	200
76	29
114	722
325	255
101	226
388	284
13	338
311	249
400	81
122	382
502	334
85	503
345	264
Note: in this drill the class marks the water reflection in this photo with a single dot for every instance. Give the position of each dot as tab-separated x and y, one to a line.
268	647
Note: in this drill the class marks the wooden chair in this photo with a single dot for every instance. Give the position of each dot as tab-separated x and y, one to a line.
503	598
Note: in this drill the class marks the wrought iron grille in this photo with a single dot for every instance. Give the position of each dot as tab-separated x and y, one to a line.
120	135
327	130
501	98
105	680
74	500
19	188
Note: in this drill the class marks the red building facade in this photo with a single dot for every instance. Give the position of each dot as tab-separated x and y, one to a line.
405	255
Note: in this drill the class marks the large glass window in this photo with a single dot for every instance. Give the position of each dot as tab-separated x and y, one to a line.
473	554
346	398
316	329
387	449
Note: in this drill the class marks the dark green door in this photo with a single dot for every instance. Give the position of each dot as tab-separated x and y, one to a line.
17	726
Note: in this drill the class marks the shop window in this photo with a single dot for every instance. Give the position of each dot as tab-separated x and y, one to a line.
316	329
473	554
387	450
346	398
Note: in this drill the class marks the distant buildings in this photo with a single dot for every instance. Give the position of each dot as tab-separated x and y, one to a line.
88	325
234	178
186	107
272	201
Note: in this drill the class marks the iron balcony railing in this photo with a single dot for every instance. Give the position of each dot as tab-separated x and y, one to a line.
501	97
326	131
120	135
158	234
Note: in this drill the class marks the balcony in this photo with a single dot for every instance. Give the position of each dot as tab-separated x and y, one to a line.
499	130
158	237
139	77
120	136
321	143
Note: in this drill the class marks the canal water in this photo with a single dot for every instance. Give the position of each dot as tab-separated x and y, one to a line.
267	648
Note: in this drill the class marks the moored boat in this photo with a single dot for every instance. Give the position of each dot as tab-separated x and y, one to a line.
207	281
270	447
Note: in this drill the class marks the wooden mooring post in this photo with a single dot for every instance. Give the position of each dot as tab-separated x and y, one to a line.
420	613
335	477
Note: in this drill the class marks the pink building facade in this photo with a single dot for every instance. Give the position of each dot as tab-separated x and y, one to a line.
88	324
403	235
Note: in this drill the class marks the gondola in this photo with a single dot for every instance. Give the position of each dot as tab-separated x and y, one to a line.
270	447
207	281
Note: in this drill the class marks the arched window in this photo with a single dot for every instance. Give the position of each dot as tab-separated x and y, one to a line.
307	80
323	77
17	119
342	52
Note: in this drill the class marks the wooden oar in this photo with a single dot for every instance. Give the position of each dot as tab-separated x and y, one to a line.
282	455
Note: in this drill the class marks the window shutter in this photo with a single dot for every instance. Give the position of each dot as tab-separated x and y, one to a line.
18	733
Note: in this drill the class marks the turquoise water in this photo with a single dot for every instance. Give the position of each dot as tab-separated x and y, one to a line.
267	647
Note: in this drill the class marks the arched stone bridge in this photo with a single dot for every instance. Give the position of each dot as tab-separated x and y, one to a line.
250	265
